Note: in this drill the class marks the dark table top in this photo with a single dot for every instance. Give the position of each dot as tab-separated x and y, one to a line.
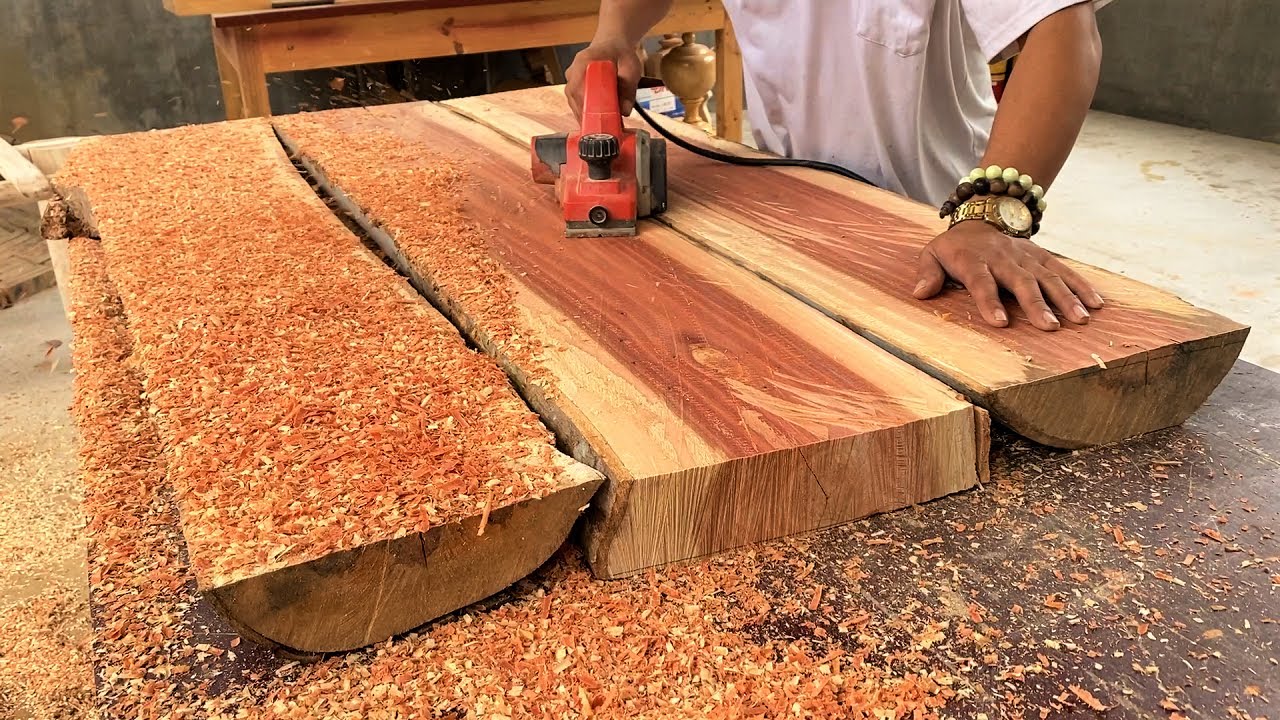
1145	573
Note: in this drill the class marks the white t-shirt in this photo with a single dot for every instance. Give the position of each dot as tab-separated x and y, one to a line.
897	90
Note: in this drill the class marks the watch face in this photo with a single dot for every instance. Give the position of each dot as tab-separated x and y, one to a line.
1014	214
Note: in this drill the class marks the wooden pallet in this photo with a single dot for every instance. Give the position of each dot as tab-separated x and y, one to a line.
25	267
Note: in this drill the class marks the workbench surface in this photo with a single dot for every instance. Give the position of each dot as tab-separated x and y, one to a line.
1134	579
1143	574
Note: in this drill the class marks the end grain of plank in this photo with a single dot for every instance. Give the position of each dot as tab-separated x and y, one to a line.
322	424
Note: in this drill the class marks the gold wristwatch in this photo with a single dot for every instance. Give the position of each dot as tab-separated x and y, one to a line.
1009	215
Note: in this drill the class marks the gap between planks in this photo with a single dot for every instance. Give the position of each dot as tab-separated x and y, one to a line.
382	245
564	421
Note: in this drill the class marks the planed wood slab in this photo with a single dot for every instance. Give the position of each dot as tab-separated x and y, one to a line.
1146	361
345	468
722	411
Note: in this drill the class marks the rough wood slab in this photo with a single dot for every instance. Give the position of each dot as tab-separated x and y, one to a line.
20	181
1144	362
722	411
923	614
149	620
346	468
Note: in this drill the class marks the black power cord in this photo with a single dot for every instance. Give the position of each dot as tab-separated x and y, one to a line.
751	161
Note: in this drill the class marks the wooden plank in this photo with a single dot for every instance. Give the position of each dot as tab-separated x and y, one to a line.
722	411
326	41
48	154
138	570
917	594
20	181
1144	362
729	92
346	468
216	7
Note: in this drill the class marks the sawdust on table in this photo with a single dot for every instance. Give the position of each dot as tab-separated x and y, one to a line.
307	401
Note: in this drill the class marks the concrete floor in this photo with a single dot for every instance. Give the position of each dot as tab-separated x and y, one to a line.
1188	211
44	621
37	449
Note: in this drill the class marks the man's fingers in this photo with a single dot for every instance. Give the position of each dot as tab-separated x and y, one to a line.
575	102
930	276
1076	282
627	87
628	82
1056	290
982	286
1026	289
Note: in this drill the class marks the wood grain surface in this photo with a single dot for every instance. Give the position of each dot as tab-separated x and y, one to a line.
722	411
345	467
1146	361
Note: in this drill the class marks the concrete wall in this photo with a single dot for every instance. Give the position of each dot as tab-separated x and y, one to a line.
82	67
1210	64
77	67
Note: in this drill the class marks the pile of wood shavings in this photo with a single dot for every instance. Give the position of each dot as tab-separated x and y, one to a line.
140	586
670	645
308	402
677	643
44	666
424	214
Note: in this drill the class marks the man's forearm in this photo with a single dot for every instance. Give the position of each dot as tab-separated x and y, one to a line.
628	21
1049	93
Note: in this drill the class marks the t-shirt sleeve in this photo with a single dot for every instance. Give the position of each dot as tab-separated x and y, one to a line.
997	24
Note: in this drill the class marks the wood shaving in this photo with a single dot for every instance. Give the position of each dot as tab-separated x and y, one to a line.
1088	699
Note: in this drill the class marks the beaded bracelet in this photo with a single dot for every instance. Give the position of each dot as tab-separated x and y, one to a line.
996	180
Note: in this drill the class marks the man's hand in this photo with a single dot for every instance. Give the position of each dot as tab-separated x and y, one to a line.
985	260
621	27
629	72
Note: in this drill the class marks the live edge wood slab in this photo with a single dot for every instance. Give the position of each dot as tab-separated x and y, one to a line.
344	466
1143	573
1146	361
722	411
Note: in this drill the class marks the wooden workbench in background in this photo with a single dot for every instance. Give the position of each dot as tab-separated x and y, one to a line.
251	39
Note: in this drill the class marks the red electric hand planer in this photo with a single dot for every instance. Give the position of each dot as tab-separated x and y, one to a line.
605	176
